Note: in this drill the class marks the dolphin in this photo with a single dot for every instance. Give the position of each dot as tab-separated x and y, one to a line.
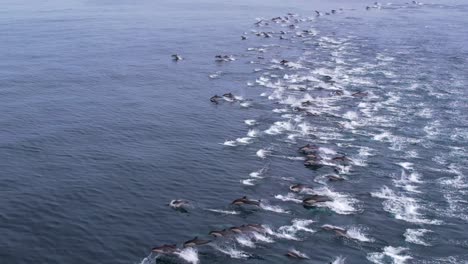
334	178
221	233
312	163
178	203
308	149
176	57
214	99
195	242
256	227
165	249
229	95
245	200
314	157
341	158
237	230
360	94
312	200
297	187
338	230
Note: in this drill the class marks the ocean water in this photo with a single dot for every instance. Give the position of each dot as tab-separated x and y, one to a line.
100	130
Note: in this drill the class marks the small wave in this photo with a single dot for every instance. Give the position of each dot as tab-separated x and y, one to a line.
393	254
415	236
189	254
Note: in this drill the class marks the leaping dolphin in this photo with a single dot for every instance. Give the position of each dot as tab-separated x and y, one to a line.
195	242
165	249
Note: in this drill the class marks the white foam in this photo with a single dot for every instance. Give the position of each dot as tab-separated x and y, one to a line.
215	75
244	140
402	207
341	203
253	133
249	182
290	232
407	181
351	115
393	254
246	104
415	236
231	143
279	127
150	259
273	208
224	211
290	197
231	251
300	254
189	254
245	241
406	165
261	237
263	153
250	122
339	260
358	234
258	174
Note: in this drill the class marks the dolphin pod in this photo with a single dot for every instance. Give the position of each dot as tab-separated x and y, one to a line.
311	152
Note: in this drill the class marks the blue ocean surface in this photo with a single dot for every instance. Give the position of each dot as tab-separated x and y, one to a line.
110	148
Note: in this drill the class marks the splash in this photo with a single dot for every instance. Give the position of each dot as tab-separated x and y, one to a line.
263	153
415	236
250	122
394	254
290	232
224	211
231	251
358	234
339	260
190	255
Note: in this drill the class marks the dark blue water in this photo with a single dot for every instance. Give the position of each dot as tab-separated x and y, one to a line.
100	129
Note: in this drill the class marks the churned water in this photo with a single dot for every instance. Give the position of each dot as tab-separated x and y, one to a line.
101	131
